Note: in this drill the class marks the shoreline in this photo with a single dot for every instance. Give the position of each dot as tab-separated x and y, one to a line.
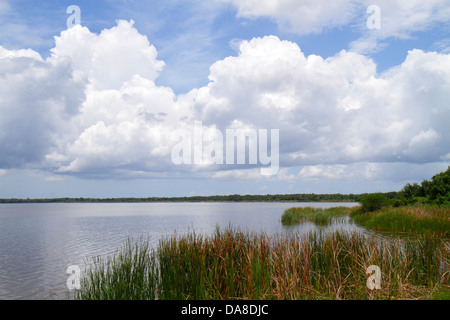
289	198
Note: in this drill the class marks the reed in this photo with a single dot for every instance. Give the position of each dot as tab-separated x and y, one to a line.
232	264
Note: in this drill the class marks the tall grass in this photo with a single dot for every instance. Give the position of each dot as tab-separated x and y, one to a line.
420	219
132	274
317	215
231	264
228	265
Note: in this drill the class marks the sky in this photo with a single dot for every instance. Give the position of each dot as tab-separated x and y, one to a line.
127	98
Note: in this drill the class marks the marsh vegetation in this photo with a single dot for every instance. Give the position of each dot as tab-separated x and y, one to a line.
319	216
232	264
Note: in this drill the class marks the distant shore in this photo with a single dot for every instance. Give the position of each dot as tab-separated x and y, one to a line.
311	197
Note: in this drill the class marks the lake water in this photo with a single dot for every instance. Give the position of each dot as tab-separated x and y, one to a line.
38	242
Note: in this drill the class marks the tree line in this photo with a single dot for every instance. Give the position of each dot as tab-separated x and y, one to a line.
434	191
300	197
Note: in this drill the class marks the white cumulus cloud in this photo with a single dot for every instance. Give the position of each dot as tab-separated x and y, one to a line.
110	58
37	98
334	110
92	108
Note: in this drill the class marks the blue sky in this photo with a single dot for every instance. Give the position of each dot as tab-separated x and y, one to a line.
90	111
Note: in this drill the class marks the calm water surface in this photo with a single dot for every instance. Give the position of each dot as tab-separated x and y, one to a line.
39	241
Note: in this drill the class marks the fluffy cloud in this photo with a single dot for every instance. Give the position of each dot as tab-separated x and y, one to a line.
37	98
399	19
126	129
93	108
126	121
335	110
110	58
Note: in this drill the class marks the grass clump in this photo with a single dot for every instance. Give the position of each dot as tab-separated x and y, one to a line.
132	274
231	264
317	215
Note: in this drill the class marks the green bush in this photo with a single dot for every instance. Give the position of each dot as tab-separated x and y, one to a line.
396	203
373	202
